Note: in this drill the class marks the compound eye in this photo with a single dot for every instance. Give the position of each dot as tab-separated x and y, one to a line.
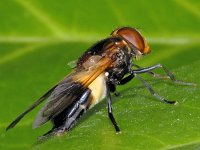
134	37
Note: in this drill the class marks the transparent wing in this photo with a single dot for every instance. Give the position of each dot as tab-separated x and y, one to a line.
69	90
62	96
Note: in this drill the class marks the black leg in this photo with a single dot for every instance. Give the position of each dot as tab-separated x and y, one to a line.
152	73
126	79
153	92
112	88
83	99
169	74
110	113
78	108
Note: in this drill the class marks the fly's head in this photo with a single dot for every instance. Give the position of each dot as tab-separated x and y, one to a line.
134	39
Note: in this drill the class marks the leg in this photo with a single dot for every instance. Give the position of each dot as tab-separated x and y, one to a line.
112	88
74	113
66	124
152	73
131	76
110	114
169	74
153	92
125	80
77	110
83	99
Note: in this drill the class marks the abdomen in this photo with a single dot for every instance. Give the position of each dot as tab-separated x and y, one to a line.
98	88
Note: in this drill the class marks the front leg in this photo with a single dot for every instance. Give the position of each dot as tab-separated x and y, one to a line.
168	73
151	90
125	80
131	75
152	73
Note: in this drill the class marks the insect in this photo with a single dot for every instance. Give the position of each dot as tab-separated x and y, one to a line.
106	64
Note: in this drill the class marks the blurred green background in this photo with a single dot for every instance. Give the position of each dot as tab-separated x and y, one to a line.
39	37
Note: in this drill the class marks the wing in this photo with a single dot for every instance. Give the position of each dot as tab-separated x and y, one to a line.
95	49
98	49
69	90
62	96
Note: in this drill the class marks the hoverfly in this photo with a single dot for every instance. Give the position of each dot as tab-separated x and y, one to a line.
106	64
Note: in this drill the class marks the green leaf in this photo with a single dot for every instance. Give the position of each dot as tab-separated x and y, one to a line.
39	37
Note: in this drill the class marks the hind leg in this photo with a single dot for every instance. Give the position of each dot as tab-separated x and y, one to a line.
74	113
